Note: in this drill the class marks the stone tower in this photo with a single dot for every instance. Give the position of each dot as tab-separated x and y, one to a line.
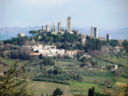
59	26
91	32
108	37
69	27
94	32
53	28
43	29
47	28
83	40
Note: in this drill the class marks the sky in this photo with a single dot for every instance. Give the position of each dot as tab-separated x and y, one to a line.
104	14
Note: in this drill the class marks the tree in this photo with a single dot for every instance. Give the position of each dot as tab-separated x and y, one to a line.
113	42
117	73
14	54
125	45
33	32
84	60
47	61
56	71
126	90
41	56
57	92
24	52
9	82
91	92
93	44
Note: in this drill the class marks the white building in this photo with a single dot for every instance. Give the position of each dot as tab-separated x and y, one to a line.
50	50
115	67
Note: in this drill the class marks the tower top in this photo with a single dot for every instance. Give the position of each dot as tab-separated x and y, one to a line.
59	22
69	17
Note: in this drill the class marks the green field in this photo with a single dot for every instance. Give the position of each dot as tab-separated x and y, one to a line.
90	78
82	87
7	60
46	88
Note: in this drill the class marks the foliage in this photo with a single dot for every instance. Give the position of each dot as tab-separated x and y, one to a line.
46	60
91	92
33	32
93	44
126	90
99	94
17	40
23	53
65	41
57	92
54	76
112	42
14	54
125	45
96	44
9	83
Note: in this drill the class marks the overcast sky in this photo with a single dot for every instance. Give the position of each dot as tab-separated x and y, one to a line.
105	14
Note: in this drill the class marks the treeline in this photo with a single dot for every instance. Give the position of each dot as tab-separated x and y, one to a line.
91	92
93	44
96	44
65	41
125	45
66	37
57	75
18	40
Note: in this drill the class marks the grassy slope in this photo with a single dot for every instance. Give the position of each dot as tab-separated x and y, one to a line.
75	87
82	88
38	88
8	61
88	81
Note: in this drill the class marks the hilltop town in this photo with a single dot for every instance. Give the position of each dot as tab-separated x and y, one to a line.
58	56
51	50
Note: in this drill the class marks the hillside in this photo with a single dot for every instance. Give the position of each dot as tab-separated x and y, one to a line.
65	61
89	78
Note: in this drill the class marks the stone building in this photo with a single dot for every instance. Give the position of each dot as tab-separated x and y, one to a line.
47	28
59	26
83	40
43	28
53	28
21	35
69	26
108	37
94	32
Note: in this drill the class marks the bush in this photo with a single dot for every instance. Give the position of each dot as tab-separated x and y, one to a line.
24	53
14	55
57	92
125	45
